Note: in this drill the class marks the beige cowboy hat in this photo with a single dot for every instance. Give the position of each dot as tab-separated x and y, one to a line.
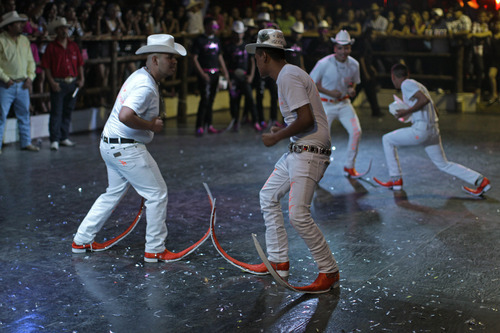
342	38
269	38
56	23
298	27
161	43
11	17
193	3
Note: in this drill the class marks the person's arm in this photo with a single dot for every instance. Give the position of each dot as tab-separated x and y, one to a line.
422	101
132	120
303	123
200	71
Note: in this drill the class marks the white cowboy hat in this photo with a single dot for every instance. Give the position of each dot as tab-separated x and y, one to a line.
269	38
342	38
239	27
11	17
161	43
263	17
56	23
298	27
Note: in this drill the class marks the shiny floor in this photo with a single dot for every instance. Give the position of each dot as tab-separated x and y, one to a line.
425	259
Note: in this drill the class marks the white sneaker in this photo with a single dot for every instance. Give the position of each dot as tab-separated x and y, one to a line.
67	143
54	145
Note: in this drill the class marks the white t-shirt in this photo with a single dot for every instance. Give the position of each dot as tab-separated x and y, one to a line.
296	89
140	93
427	114
336	75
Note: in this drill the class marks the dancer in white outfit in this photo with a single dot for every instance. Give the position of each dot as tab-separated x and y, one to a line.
336	77
299	170
424	131
131	125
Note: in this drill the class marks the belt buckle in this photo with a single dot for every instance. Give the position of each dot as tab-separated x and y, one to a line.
297	148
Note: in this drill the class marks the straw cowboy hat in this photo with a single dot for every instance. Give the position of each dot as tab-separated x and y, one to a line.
192	3
56	23
342	38
249	23
269	38
11	17
161	43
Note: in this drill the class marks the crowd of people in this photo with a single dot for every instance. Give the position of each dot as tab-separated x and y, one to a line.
376	28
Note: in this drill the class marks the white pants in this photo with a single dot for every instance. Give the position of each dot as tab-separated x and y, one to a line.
298	174
420	133
129	164
345	113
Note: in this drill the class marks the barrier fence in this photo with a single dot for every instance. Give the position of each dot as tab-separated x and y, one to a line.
184	76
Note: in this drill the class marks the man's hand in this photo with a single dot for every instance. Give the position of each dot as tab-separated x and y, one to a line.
269	139
157	125
55	86
28	84
401	113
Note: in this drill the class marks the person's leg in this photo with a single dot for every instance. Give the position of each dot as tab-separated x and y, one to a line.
350	121
6	99
306	170
212	91
68	106
104	206
408	136
202	106
56	115
434	150
22	110
276	186
146	178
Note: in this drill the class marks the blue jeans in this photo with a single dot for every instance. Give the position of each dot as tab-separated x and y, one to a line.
62	104
18	97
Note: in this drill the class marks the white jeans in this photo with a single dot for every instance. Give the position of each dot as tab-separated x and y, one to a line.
420	133
129	164
345	113
298	174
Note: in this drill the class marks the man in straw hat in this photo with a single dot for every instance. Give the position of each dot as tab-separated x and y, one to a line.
17	72
336	77
63	65
130	126
301	168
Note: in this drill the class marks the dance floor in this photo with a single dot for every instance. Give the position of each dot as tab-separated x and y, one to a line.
424	259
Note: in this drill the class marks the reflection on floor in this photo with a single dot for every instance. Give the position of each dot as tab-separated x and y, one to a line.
425	259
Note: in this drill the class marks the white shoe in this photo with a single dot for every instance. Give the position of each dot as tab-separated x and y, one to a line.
67	143
54	145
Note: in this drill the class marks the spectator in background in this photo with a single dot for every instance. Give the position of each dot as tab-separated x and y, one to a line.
159	26
171	23
17	72
181	16
310	22
479	35
208	62
241	70
294	54
368	71
398	30
63	65
376	21
494	62
319	47
194	23
49	14
284	19
350	24
439	45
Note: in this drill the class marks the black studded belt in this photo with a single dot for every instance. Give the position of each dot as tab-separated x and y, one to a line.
295	148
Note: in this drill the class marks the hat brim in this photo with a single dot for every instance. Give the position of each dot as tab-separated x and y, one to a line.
13	20
342	42
179	49
250	48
